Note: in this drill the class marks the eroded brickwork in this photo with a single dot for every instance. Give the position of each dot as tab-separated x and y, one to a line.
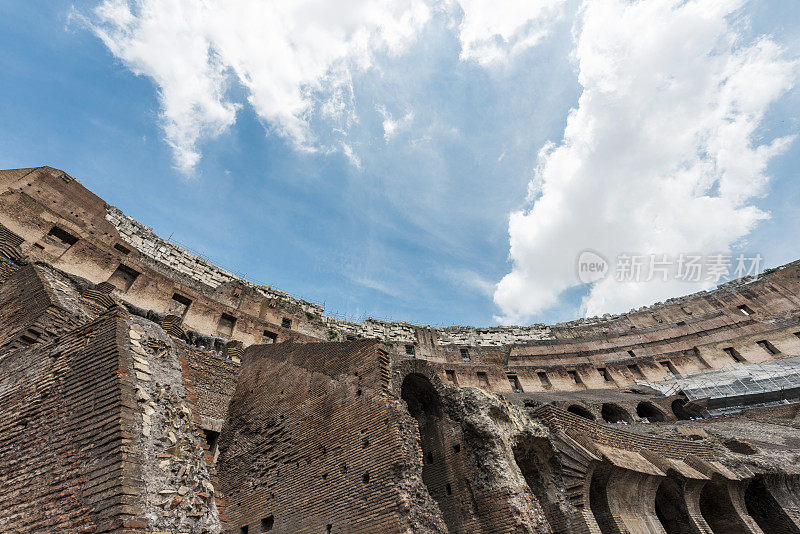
65	432
317	415
124	407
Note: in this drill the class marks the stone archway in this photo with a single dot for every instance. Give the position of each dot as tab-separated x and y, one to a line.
680	411
671	508
577	409
722	506
765	510
649	411
623	501
614	413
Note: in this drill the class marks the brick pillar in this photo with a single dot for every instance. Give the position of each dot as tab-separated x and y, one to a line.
774	502
723	507
785	489
691	500
631	501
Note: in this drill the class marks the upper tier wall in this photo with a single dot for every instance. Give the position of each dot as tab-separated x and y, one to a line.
34	201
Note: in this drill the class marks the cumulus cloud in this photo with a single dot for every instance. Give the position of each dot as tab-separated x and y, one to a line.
660	155
285	54
493	31
293	58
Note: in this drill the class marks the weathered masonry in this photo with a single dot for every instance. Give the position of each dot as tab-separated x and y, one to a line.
144	389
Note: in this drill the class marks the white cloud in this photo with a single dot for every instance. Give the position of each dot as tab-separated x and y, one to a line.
471	281
392	126
294	59
495	30
284	53
660	156
351	156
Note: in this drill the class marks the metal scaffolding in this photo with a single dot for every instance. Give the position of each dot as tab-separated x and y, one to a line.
737	385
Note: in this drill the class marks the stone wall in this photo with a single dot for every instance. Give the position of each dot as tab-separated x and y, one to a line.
213	382
34	307
178	492
191	265
34	200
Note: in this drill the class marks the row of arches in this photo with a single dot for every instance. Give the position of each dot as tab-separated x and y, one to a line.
616	499
621	500
614	413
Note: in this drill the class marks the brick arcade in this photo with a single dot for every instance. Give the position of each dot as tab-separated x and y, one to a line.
144	389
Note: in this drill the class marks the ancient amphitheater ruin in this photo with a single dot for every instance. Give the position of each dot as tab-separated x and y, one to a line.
143	389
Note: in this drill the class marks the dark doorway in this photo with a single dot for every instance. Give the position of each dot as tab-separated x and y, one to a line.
614	413
680	411
649	411
671	508
719	511
577	409
765	510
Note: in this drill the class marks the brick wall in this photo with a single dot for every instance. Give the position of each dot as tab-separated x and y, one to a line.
31	311
213	381
65	415
312	441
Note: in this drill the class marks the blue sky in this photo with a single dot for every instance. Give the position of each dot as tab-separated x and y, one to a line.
372	162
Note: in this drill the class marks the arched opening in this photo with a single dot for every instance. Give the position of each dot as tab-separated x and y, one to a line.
598	500
671	508
614	413
680	411
718	509
425	406
577	409
765	510
535	460
649	411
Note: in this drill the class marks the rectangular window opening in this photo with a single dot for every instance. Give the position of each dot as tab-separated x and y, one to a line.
244	530
267	523
745	309
62	236
451	376
635	371
410	350
767	346
286	322
464	354
681	323
666	364
543	378
631	354
269	337
123	277
515	385
483	378
733	353
122	248
211	438
226	325
604	373
178	305
574	376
